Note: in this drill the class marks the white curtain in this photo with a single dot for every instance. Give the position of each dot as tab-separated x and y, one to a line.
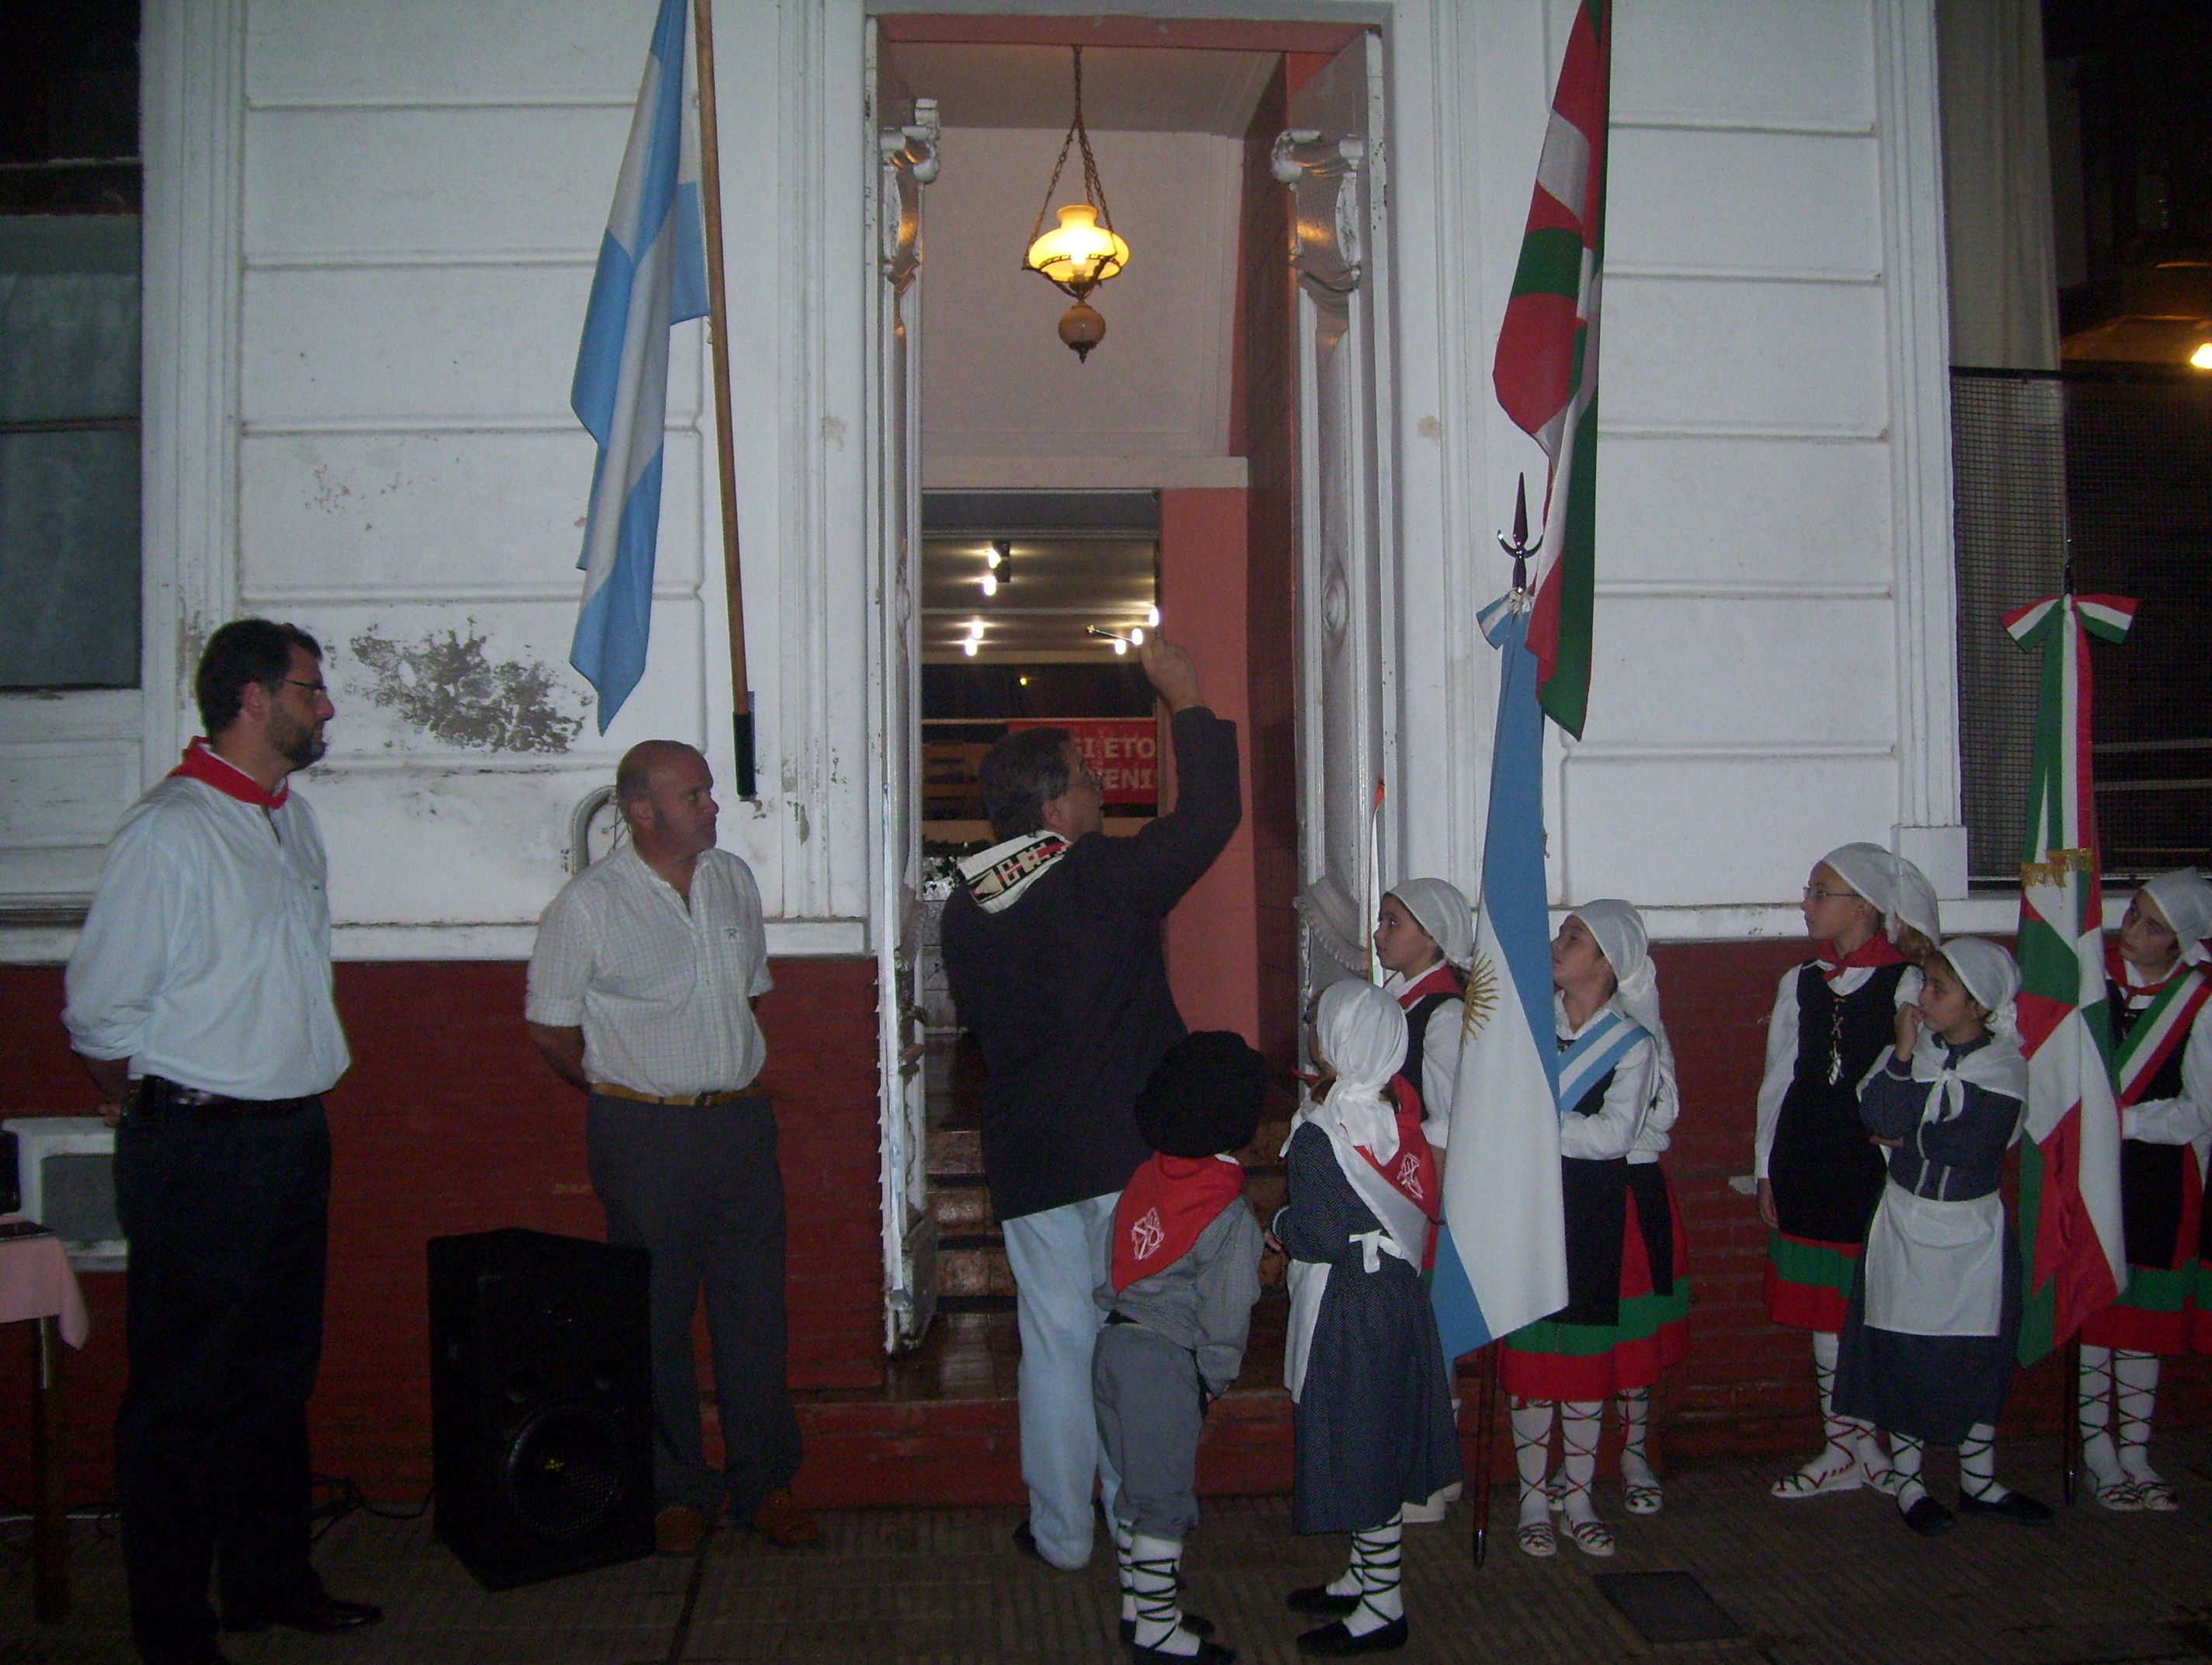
1997	184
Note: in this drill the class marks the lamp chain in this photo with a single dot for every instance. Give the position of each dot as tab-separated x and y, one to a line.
1094	188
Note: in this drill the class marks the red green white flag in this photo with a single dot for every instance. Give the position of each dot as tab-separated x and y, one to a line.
1545	372
2072	1247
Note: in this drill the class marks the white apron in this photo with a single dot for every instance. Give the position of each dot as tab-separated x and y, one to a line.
1405	1235
1935	1269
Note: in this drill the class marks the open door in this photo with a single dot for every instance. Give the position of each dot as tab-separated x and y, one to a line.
1331	158
908	152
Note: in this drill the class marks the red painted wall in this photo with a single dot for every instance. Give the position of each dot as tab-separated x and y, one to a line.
449	1122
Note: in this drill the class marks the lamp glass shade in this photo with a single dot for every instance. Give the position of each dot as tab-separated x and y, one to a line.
2202	358
1078	250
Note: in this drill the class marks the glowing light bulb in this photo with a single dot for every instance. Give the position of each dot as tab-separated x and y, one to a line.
2202	358
1119	647
1153	617
976	629
968	648
1137	637
1079	252
990	583
991	558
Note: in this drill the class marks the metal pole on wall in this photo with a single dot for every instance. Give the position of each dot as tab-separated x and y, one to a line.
710	202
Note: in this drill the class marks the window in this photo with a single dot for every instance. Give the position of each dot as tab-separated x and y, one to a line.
69	192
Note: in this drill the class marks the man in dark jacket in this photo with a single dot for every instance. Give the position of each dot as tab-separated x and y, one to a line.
1052	942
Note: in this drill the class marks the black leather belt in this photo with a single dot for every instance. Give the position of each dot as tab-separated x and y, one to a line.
156	1099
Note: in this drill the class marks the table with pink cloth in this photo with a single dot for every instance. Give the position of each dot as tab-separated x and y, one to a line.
36	1282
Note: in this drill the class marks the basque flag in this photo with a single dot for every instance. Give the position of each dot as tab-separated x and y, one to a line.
1502	1253
652	273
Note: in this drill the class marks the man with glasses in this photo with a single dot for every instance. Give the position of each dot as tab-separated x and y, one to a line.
1052	945
199	999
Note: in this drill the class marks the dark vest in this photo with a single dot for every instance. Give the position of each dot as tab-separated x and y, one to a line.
1827	1174
1416	1032
1595	1194
2153	1193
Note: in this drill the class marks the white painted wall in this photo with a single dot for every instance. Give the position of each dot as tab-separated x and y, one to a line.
370	232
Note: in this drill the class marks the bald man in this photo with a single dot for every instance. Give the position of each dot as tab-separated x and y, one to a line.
640	993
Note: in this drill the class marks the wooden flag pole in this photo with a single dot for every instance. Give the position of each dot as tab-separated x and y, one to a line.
1485	1418
710	202
2069	1412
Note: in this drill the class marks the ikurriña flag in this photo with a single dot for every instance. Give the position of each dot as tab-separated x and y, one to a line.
2073	1249
652	273
1545	372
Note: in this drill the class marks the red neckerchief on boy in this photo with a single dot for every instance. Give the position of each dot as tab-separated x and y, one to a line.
1440	980
1877	950
2117	970
202	764
1166	1205
1413	1172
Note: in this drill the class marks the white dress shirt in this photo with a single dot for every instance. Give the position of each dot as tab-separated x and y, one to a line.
206	958
661	990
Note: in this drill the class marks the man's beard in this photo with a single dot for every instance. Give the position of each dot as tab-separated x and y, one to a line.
300	746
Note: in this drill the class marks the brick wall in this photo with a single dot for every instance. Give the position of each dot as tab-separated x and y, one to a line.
449	1122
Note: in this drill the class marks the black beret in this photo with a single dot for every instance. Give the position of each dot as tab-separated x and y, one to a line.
1204	1097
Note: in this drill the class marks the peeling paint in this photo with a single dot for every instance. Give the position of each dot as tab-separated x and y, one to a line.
798	816
446	687
833	430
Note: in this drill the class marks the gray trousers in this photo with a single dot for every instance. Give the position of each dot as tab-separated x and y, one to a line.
1146	1393
698	1187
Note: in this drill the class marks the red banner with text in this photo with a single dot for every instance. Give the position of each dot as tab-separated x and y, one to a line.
1124	752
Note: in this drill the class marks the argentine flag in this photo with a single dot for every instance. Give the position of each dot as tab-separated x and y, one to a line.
1502	1254
652	273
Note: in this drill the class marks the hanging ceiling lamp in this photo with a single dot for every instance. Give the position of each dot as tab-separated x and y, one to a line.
1083	251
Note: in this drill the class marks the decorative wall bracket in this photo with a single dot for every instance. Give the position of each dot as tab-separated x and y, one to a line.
1326	242
909	160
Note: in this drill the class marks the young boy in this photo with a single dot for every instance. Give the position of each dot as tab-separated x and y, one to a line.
1178	1301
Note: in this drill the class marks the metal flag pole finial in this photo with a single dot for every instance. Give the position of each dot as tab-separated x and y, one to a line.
1518	545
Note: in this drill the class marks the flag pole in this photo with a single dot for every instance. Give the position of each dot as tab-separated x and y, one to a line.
1485	1448
710	204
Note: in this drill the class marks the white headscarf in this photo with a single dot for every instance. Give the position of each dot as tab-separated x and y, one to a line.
1361	1032
2186	901
1897	888
1440	909
1992	977
1620	933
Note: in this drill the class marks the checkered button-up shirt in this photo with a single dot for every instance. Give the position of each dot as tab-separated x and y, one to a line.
660	990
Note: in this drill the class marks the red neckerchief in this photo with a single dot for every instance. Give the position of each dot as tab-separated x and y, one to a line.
202	764
1877	950
2117	969
1413	1172
1164	1208
1437	981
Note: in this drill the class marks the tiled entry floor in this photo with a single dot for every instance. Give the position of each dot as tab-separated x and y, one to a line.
1833	1579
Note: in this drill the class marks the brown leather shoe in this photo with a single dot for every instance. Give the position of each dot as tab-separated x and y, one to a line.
678	1529
780	1521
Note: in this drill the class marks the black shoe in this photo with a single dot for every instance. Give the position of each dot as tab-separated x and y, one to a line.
1209	1653
1319	1603
1026	1540
2014	1506
1196	1623
1334	1641
317	1611
1930	1518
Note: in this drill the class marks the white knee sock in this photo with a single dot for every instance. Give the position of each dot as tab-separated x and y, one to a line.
2135	1376
1977	1465
1374	1559
1153	1565
1905	1454
1841	1434
1532	1457
1124	1542
1635	1429
2093	1416
1578	1430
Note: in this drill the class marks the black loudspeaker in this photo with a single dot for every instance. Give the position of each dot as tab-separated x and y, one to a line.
541	1403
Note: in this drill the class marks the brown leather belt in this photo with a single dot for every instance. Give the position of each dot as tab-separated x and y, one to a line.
695	1100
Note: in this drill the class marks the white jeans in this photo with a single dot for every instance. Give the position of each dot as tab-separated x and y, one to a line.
1058	1257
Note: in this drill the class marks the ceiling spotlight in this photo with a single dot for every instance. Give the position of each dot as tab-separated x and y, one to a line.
1121	647
975	629
968	648
2202	358
1137	636
1152	617
990	583
1000	553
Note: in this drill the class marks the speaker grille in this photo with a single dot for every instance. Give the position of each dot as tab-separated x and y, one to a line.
564	1468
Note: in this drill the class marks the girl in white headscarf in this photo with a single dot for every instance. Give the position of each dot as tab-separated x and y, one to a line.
1868	913
1930	1340
1616	1071
1372	1409
2156	990
1423	940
